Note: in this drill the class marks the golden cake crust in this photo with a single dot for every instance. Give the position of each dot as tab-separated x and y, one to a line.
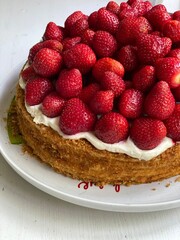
80	160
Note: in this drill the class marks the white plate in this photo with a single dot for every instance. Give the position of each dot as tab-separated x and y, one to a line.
139	198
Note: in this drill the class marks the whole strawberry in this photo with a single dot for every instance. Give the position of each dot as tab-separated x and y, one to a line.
28	73
173	124
176	15
88	92
168	70
78	28
87	37
159	103
53	32
80	56
76	117
171	29
36	89
47	62
72	19
52	105
147	133
69	83
70	42
113	7
111	128
151	47
131	103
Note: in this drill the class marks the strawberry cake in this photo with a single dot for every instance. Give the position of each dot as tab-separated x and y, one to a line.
98	98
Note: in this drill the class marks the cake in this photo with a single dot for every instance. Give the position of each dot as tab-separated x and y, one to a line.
97	99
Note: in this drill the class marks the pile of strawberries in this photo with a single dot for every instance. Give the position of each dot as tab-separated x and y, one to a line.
115	73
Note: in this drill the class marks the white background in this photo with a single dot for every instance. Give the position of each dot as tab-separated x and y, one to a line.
27	213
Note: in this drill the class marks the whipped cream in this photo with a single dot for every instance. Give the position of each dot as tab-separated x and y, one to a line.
127	146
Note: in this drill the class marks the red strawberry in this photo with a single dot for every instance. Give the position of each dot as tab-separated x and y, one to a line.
159	103
47	62
79	27
52	44
173	124
53	32
130	2
113	7
36	90
147	133
104	44
157	16
107	64
92	20
87	37
28	73
52	105
174	53
176	93
70	42
111	81
76	117
111	128
80	56
140	7
168	70
88	92
102	102
176	15
127	55
171	29
107	21
144	78
151	47
70	21
131	103
69	83
126	11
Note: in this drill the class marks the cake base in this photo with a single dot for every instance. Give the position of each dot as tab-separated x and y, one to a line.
80	160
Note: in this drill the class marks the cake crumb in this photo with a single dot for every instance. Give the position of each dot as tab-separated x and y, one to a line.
153	189
177	179
167	185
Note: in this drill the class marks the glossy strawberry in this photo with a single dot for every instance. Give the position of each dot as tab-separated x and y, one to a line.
92	20
126	11
176	93
76	117
69	83
111	128
72	19
52	105
173	124
151	47
131	103
78	28
87	37
112	81
53	32
102	102
47	62
147	133
104	44
141	7
171	29
107	64
36	90
168	70
159	103
88	92
80	56
113	7
28	73
70	42
144	78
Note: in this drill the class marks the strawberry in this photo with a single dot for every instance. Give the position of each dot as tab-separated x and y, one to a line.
92	20
140	7
168	70
28	73
147	133
87	37
157	16
52	105
36	89
104	44
88	92
79	27
176	93
111	128
174	53
127	55
52	44
131	103
171	29
113	7
47	62
151	47
107	21
144	78
102	102
72	19
76	117
69	83
80	56
53	32
159	103
111	81
70	42
107	64
176	15
173	124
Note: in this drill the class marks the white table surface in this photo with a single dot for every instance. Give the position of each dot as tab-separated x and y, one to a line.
28	213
